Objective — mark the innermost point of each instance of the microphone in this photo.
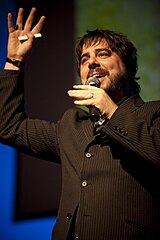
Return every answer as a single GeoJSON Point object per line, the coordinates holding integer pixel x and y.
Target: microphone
{"type": "Point", "coordinates": [93, 111]}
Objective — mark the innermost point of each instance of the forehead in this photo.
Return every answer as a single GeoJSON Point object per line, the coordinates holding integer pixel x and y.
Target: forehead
{"type": "Point", "coordinates": [95, 44]}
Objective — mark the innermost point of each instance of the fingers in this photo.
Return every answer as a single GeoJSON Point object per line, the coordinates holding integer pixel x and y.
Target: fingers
{"type": "Point", "coordinates": [10, 23]}
{"type": "Point", "coordinates": [21, 37]}
{"type": "Point", "coordinates": [83, 97]}
{"type": "Point", "coordinates": [81, 94]}
{"type": "Point", "coordinates": [28, 24]}
{"type": "Point", "coordinates": [85, 87]}
{"type": "Point", "coordinates": [83, 91]}
{"type": "Point", "coordinates": [84, 102]}
{"type": "Point", "coordinates": [87, 95]}
{"type": "Point", "coordinates": [30, 19]}
{"type": "Point", "coordinates": [39, 25]}
{"type": "Point", "coordinates": [19, 21]}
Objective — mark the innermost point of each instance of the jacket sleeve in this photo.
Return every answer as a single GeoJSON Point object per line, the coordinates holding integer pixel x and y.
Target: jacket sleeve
{"type": "Point", "coordinates": [137, 129]}
{"type": "Point", "coordinates": [32, 136]}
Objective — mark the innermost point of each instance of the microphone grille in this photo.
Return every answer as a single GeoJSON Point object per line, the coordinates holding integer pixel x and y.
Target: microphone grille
{"type": "Point", "coordinates": [93, 81]}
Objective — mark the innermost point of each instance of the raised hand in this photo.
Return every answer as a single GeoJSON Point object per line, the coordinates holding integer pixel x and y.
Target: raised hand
{"type": "Point", "coordinates": [17, 49]}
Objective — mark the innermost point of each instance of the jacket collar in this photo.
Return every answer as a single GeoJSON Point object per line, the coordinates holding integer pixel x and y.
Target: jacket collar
{"type": "Point", "coordinates": [132, 102]}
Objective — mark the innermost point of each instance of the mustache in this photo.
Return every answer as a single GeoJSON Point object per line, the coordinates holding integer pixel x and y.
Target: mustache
{"type": "Point", "coordinates": [99, 71]}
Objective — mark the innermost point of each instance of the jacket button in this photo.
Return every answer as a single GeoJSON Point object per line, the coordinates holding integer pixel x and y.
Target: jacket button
{"type": "Point", "coordinates": [88, 155]}
{"type": "Point", "coordinates": [125, 133]}
{"type": "Point", "coordinates": [69, 216]}
{"type": "Point", "coordinates": [121, 130]}
{"type": "Point", "coordinates": [84, 183]}
{"type": "Point", "coordinates": [116, 128]}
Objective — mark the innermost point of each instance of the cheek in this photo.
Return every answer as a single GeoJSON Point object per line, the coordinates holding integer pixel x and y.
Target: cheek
{"type": "Point", "coordinates": [115, 64]}
{"type": "Point", "coordinates": [120, 66]}
{"type": "Point", "coordinates": [83, 73]}
{"type": "Point", "coordinates": [82, 69]}
{"type": "Point", "coordinates": [105, 83]}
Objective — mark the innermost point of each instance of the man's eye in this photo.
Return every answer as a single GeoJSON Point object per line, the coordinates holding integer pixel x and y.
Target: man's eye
{"type": "Point", "coordinates": [104, 54]}
{"type": "Point", "coordinates": [83, 60]}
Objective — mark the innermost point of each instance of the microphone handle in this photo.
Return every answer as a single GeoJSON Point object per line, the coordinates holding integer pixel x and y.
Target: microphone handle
{"type": "Point", "coordinates": [94, 114]}
{"type": "Point", "coordinates": [93, 111]}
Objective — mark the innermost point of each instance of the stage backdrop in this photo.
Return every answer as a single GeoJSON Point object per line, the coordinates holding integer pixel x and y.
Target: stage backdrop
{"type": "Point", "coordinates": [48, 75]}
{"type": "Point", "coordinates": [139, 20]}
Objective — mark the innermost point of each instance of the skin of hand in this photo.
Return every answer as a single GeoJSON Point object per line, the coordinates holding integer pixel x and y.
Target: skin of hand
{"type": "Point", "coordinates": [100, 99]}
{"type": "Point", "coordinates": [20, 50]}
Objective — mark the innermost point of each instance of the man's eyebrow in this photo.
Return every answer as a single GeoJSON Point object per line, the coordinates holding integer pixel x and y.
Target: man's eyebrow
{"type": "Point", "coordinates": [104, 49]}
{"type": "Point", "coordinates": [97, 51]}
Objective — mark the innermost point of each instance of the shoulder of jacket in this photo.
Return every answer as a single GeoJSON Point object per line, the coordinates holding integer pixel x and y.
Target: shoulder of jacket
{"type": "Point", "coordinates": [152, 105]}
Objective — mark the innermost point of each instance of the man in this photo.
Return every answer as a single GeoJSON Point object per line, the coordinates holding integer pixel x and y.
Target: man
{"type": "Point", "coordinates": [111, 166]}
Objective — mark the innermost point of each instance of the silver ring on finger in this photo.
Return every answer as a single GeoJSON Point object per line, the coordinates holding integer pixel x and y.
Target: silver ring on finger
{"type": "Point", "coordinates": [91, 95]}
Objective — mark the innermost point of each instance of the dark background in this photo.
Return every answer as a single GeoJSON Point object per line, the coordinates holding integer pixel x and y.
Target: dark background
{"type": "Point", "coordinates": [48, 75]}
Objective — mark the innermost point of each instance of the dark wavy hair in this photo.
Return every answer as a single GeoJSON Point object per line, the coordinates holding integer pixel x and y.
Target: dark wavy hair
{"type": "Point", "coordinates": [119, 44]}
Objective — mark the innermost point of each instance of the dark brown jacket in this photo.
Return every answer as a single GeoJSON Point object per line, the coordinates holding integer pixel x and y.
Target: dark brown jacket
{"type": "Point", "coordinates": [112, 173]}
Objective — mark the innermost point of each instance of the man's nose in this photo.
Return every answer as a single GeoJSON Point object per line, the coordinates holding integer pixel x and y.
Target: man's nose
{"type": "Point", "coordinates": [93, 63]}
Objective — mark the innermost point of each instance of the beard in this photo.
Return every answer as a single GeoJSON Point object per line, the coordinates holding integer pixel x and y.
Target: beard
{"type": "Point", "coordinates": [119, 83]}
{"type": "Point", "coordinates": [118, 87]}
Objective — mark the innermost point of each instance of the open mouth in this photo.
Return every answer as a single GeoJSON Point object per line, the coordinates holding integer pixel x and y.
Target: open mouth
{"type": "Point", "coordinates": [99, 74]}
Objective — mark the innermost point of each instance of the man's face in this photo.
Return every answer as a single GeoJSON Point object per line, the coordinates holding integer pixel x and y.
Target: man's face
{"type": "Point", "coordinates": [98, 59]}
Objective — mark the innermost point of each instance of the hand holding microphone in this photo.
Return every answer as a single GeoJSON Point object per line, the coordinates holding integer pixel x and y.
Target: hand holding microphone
{"type": "Point", "coordinates": [84, 96]}
{"type": "Point", "coordinates": [95, 98]}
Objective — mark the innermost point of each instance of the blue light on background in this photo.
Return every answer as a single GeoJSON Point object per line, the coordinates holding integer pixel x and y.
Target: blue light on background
{"type": "Point", "coordinates": [37, 229]}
